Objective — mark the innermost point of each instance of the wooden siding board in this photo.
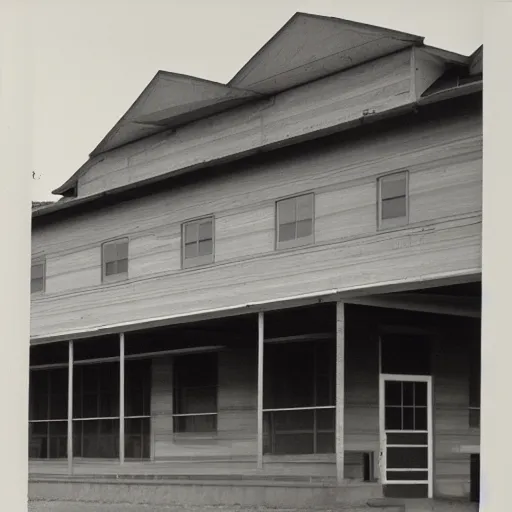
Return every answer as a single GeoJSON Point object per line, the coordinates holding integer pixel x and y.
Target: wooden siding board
{"type": "Point", "coordinates": [451, 247]}
{"type": "Point", "coordinates": [378, 86]}
{"type": "Point", "coordinates": [444, 162]}
{"type": "Point", "coordinates": [296, 54]}
{"type": "Point", "coordinates": [429, 146]}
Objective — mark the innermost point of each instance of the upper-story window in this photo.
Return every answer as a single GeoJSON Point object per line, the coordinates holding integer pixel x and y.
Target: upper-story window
{"type": "Point", "coordinates": [294, 221]}
{"type": "Point", "coordinates": [37, 277]}
{"type": "Point", "coordinates": [393, 199]}
{"type": "Point", "coordinates": [198, 242]}
{"type": "Point", "coordinates": [115, 260]}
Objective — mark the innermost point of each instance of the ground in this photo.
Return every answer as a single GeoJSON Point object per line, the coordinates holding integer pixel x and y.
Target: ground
{"type": "Point", "coordinates": [60, 506]}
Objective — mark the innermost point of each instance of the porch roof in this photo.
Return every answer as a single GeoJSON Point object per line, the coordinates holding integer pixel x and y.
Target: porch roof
{"type": "Point", "coordinates": [387, 295]}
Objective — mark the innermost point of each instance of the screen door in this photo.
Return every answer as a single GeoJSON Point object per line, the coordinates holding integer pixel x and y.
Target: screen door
{"type": "Point", "coordinates": [406, 435]}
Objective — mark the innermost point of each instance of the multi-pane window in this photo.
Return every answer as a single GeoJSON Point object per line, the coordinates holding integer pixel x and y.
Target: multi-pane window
{"type": "Point", "coordinates": [115, 259]}
{"type": "Point", "coordinates": [48, 412]}
{"type": "Point", "coordinates": [299, 398]}
{"type": "Point", "coordinates": [37, 277]}
{"type": "Point", "coordinates": [137, 408]}
{"type": "Point", "coordinates": [393, 199]}
{"type": "Point", "coordinates": [195, 393]}
{"type": "Point", "coordinates": [295, 221]}
{"type": "Point", "coordinates": [96, 411]}
{"type": "Point", "coordinates": [198, 242]}
{"type": "Point", "coordinates": [406, 406]}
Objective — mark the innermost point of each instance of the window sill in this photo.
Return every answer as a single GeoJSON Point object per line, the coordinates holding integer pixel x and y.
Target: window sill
{"type": "Point", "coordinates": [197, 262]}
{"type": "Point", "coordinates": [116, 278]}
{"type": "Point", "coordinates": [294, 244]}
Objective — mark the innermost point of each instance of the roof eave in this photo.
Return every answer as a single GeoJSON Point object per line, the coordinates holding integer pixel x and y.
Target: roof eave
{"type": "Point", "coordinates": [447, 94]}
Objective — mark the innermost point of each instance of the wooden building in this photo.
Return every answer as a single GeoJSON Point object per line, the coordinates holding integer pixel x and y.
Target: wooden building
{"type": "Point", "coordinates": [269, 292]}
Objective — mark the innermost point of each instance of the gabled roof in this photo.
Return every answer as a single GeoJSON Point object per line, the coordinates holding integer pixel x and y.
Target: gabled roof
{"type": "Point", "coordinates": [309, 47]}
{"type": "Point", "coordinates": [475, 61]}
{"type": "Point", "coordinates": [169, 100]}
{"type": "Point", "coordinates": [306, 48]}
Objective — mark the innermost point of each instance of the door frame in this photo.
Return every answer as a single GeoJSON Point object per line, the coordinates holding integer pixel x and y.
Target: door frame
{"type": "Point", "coordinates": [383, 377]}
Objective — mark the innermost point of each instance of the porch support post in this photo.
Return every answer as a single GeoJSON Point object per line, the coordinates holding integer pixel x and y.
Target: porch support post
{"type": "Point", "coordinates": [260, 389]}
{"type": "Point", "coordinates": [70, 407]}
{"type": "Point", "coordinates": [340, 390]}
{"type": "Point", "coordinates": [121, 398]}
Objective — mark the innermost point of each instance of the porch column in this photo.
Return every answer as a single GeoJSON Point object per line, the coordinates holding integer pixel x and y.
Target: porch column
{"type": "Point", "coordinates": [260, 389]}
{"type": "Point", "coordinates": [121, 398]}
{"type": "Point", "coordinates": [70, 407]}
{"type": "Point", "coordinates": [340, 390]}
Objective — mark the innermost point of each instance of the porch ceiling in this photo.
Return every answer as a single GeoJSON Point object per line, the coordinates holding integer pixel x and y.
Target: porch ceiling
{"type": "Point", "coordinates": [464, 300]}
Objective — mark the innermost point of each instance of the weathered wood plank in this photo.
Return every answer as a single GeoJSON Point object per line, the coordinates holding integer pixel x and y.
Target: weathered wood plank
{"type": "Point", "coordinates": [376, 86]}
{"type": "Point", "coordinates": [444, 235]}
{"type": "Point", "coordinates": [449, 247]}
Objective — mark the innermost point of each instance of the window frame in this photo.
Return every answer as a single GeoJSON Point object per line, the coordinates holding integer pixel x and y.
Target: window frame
{"type": "Point", "coordinates": [395, 222]}
{"type": "Point", "coordinates": [119, 276]}
{"type": "Point", "coordinates": [198, 261]}
{"type": "Point", "coordinates": [296, 242]}
{"type": "Point", "coordinates": [38, 261]}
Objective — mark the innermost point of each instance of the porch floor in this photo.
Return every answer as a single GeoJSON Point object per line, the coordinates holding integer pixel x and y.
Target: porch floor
{"type": "Point", "coordinates": [169, 470]}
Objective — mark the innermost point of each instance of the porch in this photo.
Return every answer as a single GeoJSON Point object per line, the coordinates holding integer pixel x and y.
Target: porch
{"type": "Point", "coordinates": [306, 397]}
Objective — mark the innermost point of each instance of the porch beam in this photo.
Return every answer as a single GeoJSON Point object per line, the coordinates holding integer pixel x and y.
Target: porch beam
{"type": "Point", "coordinates": [333, 295]}
{"type": "Point", "coordinates": [261, 330]}
{"type": "Point", "coordinates": [121, 398]}
{"type": "Point", "coordinates": [70, 407]}
{"type": "Point", "coordinates": [340, 391]}
{"type": "Point", "coordinates": [142, 355]}
{"type": "Point", "coordinates": [422, 303]}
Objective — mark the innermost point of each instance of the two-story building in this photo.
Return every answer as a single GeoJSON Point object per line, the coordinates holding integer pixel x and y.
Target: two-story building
{"type": "Point", "coordinates": [268, 292]}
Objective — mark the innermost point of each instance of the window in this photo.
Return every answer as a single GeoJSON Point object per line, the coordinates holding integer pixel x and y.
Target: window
{"type": "Point", "coordinates": [295, 221]}
{"type": "Point", "coordinates": [48, 412]}
{"type": "Point", "coordinates": [96, 411]}
{"type": "Point", "coordinates": [115, 260]}
{"type": "Point", "coordinates": [137, 409]}
{"type": "Point", "coordinates": [195, 393]}
{"type": "Point", "coordinates": [393, 200]}
{"type": "Point", "coordinates": [299, 398]}
{"type": "Point", "coordinates": [37, 277]}
{"type": "Point", "coordinates": [197, 242]}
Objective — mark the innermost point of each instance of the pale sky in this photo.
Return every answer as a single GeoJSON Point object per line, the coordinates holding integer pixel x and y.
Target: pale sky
{"type": "Point", "coordinates": [94, 57]}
